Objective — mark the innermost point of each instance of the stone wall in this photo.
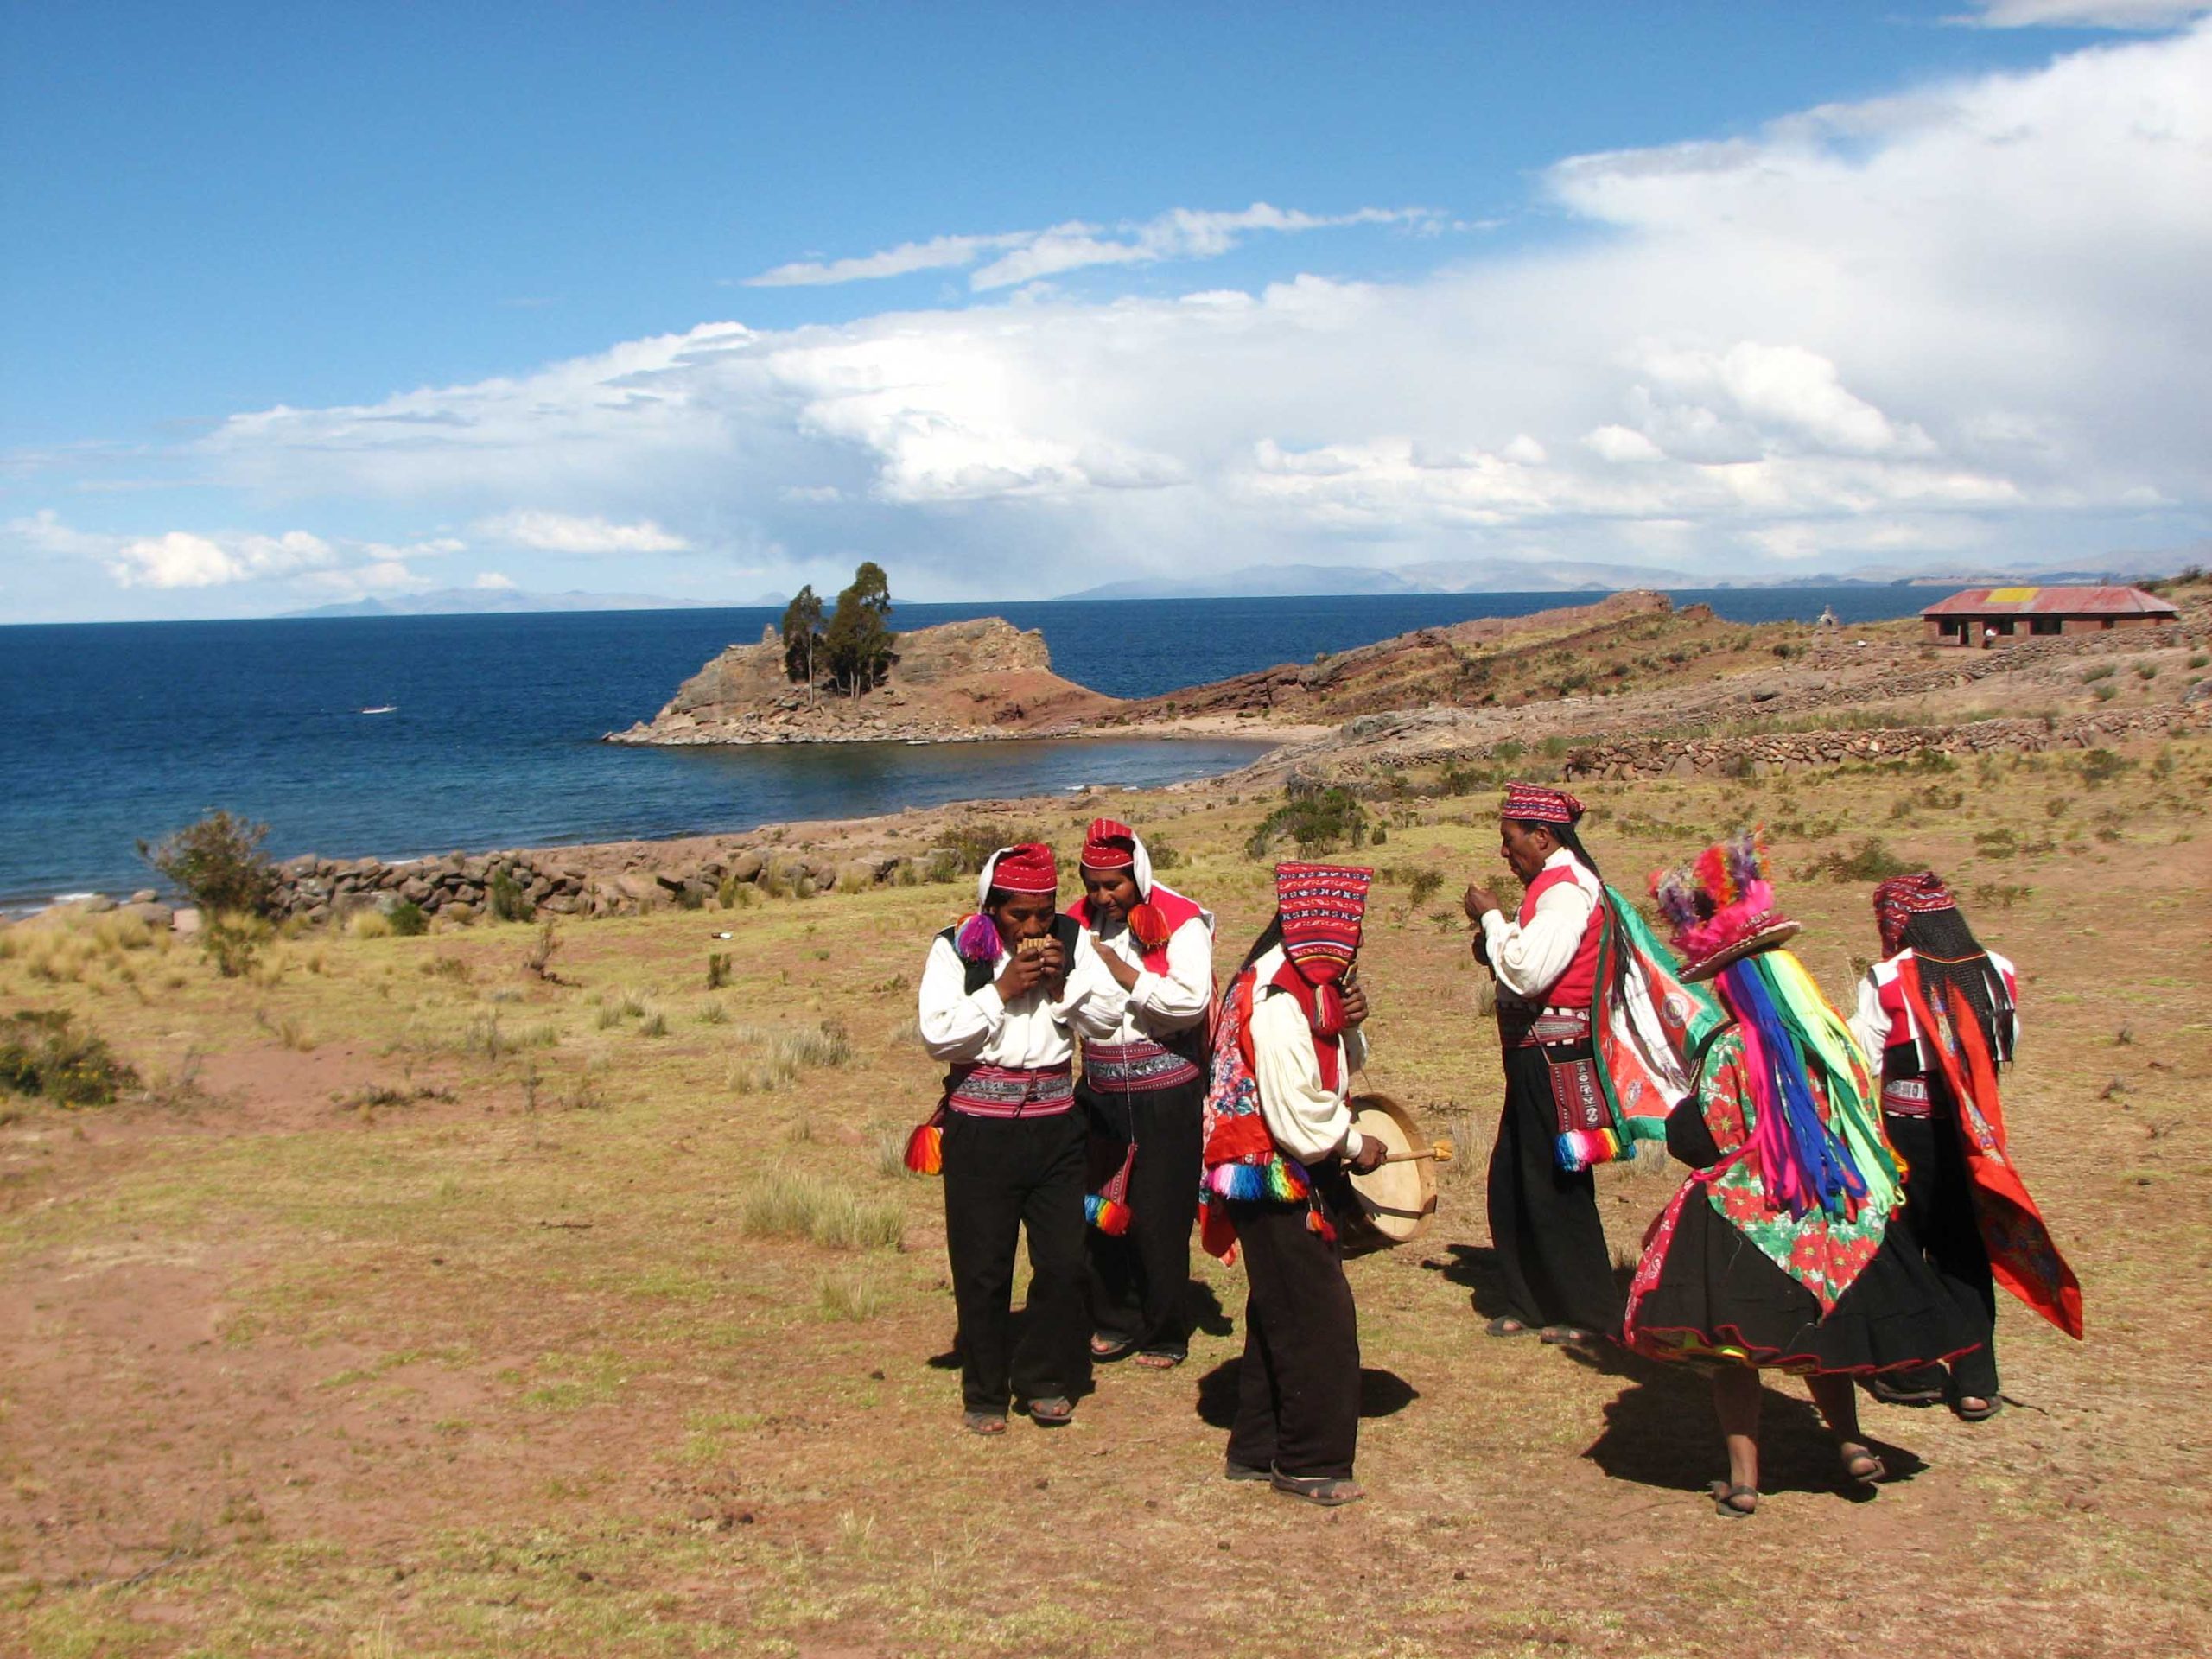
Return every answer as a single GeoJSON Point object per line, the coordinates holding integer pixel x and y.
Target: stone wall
{"type": "Point", "coordinates": [458, 886]}
{"type": "Point", "coordinates": [1758, 755]}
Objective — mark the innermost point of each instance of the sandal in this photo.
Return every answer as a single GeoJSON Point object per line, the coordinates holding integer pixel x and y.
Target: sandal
{"type": "Point", "coordinates": [1327, 1490]}
{"type": "Point", "coordinates": [1990, 1406]}
{"type": "Point", "coordinates": [1506, 1325]}
{"type": "Point", "coordinates": [1860, 1466]}
{"type": "Point", "coordinates": [1153, 1359]}
{"type": "Point", "coordinates": [1563, 1336]}
{"type": "Point", "coordinates": [1896, 1394]}
{"type": "Point", "coordinates": [1106, 1349]}
{"type": "Point", "coordinates": [1232, 1470]}
{"type": "Point", "coordinates": [1055, 1413]}
{"type": "Point", "coordinates": [1736, 1503]}
{"type": "Point", "coordinates": [983, 1422]}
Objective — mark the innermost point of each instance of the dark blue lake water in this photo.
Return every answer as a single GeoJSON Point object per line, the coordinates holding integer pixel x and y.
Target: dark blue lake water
{"type": "Point", "coordinates": [112, 731]}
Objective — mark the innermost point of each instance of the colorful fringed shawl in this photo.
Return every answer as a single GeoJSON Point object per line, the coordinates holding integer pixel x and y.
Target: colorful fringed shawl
{"type": "Point", "coordinates": [1805, 1175]}
{"type": "Point", "coordinates": [2022, 1256]}
{"type": "Point", "coordinates": [1646, 1027]}
{"type": "Point", "coordinates": [1240, 1159]}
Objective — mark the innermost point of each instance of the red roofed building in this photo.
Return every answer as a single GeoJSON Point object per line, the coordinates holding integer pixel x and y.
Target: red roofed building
{"type": "Point", "coordinates": [1980, 617]}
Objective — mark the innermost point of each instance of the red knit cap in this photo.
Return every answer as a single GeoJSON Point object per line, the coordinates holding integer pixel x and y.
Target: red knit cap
{"type": "Point", "coordinates": [1322, 907]}
{"type": "Point", "coordinates": [1905, 896]}
{"type": "Point", "coordinates": [1110, 845]}
{"type": "Point", "coordinates": [1029, 868]}
{"type": "Point", "coordinates": [1534, 803]}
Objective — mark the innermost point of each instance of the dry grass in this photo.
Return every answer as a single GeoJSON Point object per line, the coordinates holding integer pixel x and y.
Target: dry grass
{"type": "Point", "coordinates": [595, 1356]}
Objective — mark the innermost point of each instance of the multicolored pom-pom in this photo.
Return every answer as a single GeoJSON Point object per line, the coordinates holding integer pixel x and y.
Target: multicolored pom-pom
{"type": "Point", "coordinates": [977, 939]}
{"type": "Point", "coordinates": [925, 1149]}
{"type": "Point", "coordinates": [1147, 926]}
{"type": "Point", "coordinates": [1106, 1215]}
{"type": "Point", "coordinates": [1578, 1149]}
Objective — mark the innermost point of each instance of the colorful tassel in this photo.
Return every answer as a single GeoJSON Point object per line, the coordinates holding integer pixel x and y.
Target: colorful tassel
{"type": "Point", "coordinates": [1578, 1149]}
{"type": "Point", "coordinates": [925, 1149]}
{"type": "Point", "coordinates": [1147, 926]}
{"type": "Point", "coordinates": [1106, 1215]}
{"type": "Point", "coordinates": [977, 940]}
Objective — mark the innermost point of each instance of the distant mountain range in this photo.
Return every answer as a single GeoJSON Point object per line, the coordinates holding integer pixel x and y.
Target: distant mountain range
{"type": "Point", "coordinates": [482, 602]}
{"type": "Point", "coordinates": [1438, 576]}
{"type": "Point", "coordinates": [1567, 576]}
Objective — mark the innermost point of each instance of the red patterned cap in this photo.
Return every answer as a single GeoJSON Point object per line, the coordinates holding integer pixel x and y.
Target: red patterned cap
{"type": "Point", "coordinates": [1322, 907]}
{"type": "Point", "coordinates": [1534, 803]}
{"type": "Point", "coordinates": [1110, 845]}
{"type": "Point", "coordinates": [1902, 897]}
{"type": "Point", "coordinates": [1029, 868]}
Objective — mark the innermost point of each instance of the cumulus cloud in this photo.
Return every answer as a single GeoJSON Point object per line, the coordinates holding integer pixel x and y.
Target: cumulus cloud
{"type": "Point", "coordinates": [2083, 14]}
{"type": "Point", "coordinates": [180, 559]}
{"type": "Point", "coordinates": [1025, 256]}
{"type": "Point", "coordinates": [1966, 318]}
{"type": "Point", "coordinates": [556, 532]}
{"type": "Point", "coordinates": [493, 580]}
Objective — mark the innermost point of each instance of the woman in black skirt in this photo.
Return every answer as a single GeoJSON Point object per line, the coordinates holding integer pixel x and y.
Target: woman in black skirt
{"type": "Point", "coordinates": [1779, 1252]}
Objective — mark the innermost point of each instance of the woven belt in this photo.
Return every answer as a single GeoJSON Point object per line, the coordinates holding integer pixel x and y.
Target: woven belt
{"type": "Point", "coordinates": [1907, 1097]}
{"type": "Point", "coordinates": [1010, 1090]}
{"type": "Point", "coordinates": [1522, 1027]}
{"type": "Point", "coordinates": [1135, 1067]}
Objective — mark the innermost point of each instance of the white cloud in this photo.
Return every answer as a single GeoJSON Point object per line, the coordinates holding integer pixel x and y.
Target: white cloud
{"type": "Point", "coordinates": [493, 580]}
{"type": "Point", "coordinates": [554, 532]}
{"type": "Point", "coordinates": [182, 559]}
{"type": "Point", "coordinates": [2083, 14]}
{"type": "Point", "coordinates": [1025, 256]}
{"type": "Point", "coordinates": [1970, 317]}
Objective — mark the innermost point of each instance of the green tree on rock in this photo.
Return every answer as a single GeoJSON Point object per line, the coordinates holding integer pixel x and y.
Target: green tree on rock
{"type": "Point", "coordinates": [801, 638]}
{"type": "Point", "coordinates": [860, 642]}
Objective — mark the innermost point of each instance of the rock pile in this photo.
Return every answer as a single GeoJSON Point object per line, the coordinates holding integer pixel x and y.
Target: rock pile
{"type": "Point", "coordinates": [461, 887]}
{"type": "Point", "coordinates": [1758, 755]}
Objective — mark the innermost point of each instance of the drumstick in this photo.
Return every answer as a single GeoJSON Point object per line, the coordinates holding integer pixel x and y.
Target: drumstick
{"type": "Point", "coordinates": [1441, 1152]}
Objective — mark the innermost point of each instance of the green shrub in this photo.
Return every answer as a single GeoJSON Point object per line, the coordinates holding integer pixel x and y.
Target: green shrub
{"type": "Point", "coordinates": [407, 919]}
{"type": "Point", "coordinates": [2102, 672]}
{"type": "Point", "coordinates": [219, 864]}
{"type": "Point", "coordinates": [1316, 818]}
{"type": "Point", "coordinates": [509, 901]}
{"type": "Point", "coordinates": [970, 843]}
{"type": "Point", "coordinates": [232, 942]}
{"type": "Point", "coordinates": [2100, 767]}
{"type": "Point", "coordinates": [1870, 860]}
{"type": "Point", "coordinates": [41, 1054]}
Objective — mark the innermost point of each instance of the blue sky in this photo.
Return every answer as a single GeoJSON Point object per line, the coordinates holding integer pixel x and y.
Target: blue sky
{"type": "Point", "coordinates": [303, 302]}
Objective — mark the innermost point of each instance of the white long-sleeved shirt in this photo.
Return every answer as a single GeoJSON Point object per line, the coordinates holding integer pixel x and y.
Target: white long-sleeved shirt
{"type": "Point", "coordinates": [1159, 1005]}
{"type": "Point", "coordinates": [1883, 1017]}
{"type": "Point", "coordinates": [1308, 1119]}
{"type": "Point", "coordinates": [1030, 1031]}
{"type": "Point", "coordinates": [1528, 960]}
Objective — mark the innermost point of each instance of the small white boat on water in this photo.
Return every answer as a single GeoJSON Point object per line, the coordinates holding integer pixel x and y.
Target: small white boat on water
{"type": "Point", "coordinates": [386, 709]}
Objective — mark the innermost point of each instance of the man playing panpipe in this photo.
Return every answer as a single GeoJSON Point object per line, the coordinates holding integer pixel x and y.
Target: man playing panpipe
{"type": "Point", "coordinates": [1001, 994]}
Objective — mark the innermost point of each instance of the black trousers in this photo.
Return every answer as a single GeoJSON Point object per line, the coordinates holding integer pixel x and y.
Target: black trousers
{"type": "Point", "coordinates": [1939, 1215]}
{"type": "Point", "coordinates": [1543, 1222]}
{"type": "Point", "coordinates": [1297, 1388]}
{"type": "Point", "coordinates": [1001, 1175]}
{"type": "Point", "coordinates": [1140, 1282]}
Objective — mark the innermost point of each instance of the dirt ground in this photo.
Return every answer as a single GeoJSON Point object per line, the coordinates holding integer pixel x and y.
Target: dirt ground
{"type": "Point", "coordinates": [409, 1309]}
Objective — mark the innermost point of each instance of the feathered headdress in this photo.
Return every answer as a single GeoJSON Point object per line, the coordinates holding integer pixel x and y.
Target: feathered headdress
{"type": "Point", "coordinates": [1721, 904]}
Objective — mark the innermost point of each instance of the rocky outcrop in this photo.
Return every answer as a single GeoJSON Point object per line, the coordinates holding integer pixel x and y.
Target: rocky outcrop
{"type": "Point", "coordinates": [1447, 664]}
{"type": "Point", "coordinates": [957, 682]}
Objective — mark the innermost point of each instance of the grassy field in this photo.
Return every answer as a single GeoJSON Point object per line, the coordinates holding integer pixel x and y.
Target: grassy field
{"type": "Point", "coordinates": [417, 1304]}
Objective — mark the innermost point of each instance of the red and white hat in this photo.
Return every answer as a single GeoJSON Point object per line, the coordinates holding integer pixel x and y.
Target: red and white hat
{"type": "Point", "coordinates": [1109, 844]}
{"type": "Point", "coordinates": [1534, 804]}
{"type": "Point", "coordinates": [1903, 896]}
{"type": "Point", "coordinates": [1322, 907]}
{"type": "Point", "coordinates": [1028, 867]}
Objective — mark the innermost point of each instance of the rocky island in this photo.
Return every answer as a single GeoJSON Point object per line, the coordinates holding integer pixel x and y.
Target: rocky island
{"type": "Point", "coordinates": [958, 682]}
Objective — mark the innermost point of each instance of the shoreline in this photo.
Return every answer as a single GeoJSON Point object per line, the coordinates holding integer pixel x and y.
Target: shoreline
{"type": "Point", "coordinates": [842, 836]}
